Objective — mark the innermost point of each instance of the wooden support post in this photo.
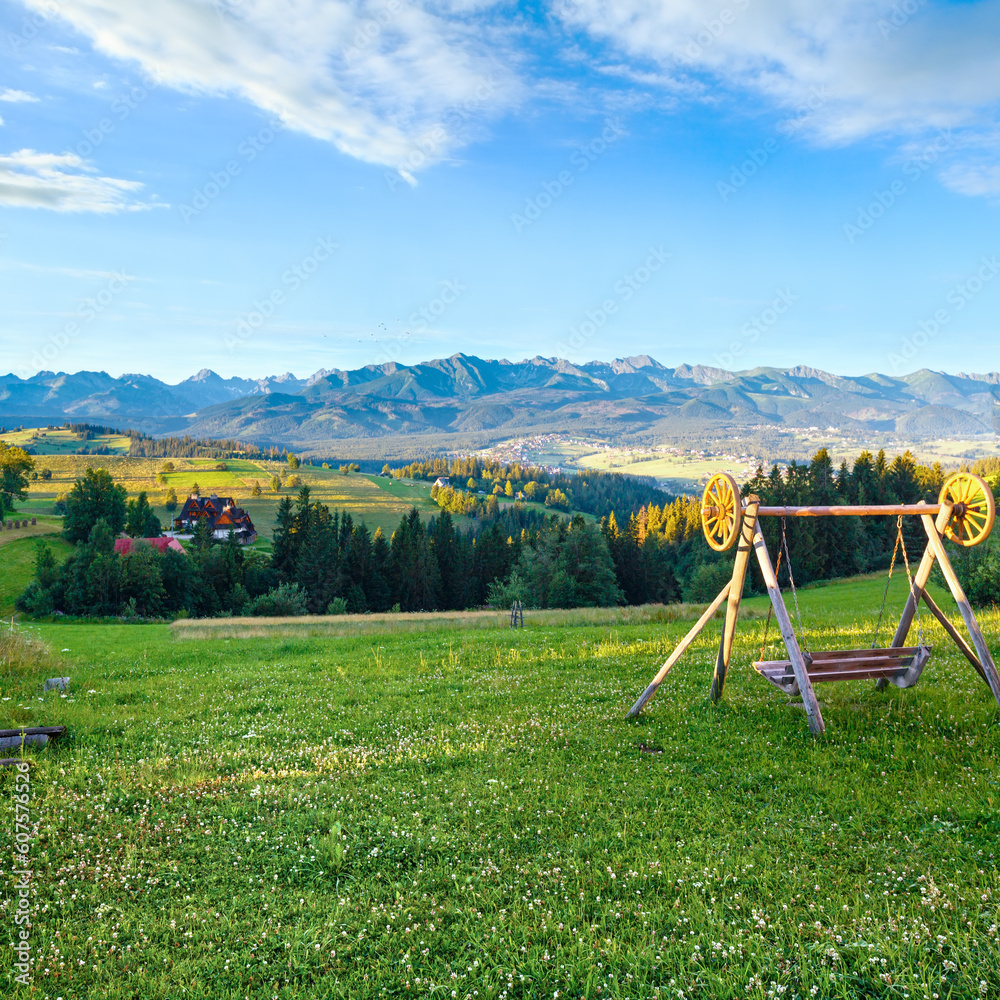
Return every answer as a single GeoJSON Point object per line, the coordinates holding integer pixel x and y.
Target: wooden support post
{"type": "Point", "coordinates": [956, 636]}
{"type": "Point", "coordinates": [920, 579]}
{"type": "Point", "coordinates": [799, 668]}
{"type": "Point", "coordinates": [678, 652]}
{"type": "Point", "coordinates": [978, 640]}
{"type": "Point", "coordinates": [735, 595]}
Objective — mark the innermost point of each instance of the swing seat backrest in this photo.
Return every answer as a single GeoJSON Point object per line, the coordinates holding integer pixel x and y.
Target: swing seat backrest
{"type": "Point", "coordinates": [901, 666]}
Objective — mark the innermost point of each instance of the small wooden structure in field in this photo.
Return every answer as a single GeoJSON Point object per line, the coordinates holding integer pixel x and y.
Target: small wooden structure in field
{"type": "Point", "coordinates": [964, 514]}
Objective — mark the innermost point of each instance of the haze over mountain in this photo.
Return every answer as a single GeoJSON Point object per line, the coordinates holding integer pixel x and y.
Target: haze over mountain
{"type": "Point", "coordinates": [465, 395]}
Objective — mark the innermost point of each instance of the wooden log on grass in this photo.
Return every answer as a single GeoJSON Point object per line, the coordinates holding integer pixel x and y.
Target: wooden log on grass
{"type": "Point", "coordinates": [53, 732]}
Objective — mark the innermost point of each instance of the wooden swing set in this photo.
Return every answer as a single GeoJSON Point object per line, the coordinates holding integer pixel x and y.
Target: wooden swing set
{"type": "Point", "coordinates": [964, 514]}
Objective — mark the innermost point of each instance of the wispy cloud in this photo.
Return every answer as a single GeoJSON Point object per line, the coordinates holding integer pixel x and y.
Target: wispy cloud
{"type": "Point", "coordinates": [887, 69]}
{"type": "Point", "coordinates": [380, 79]}
{"type": "Point", "coordinates": [71, 272]}
{"type": "Point", "coordinates": [373, 77]}
{"type": "Point", "coordinates": [62, 182]}
{"type": "Point", "coordinates": [17, 97]}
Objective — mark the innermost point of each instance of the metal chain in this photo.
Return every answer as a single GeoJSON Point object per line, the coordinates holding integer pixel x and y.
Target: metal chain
{"type": "Point", "coordinates": [892, 564]}
{"type": "Point", "coordinates": [770, 607]}
{"type": "Point", "coordinates": [791, 579]}
{"type": "Point", "coordinates": [913, 593]}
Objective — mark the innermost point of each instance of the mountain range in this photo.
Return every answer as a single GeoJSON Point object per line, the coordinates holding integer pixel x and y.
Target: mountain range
{"type": "Point", "coordinates": [465, 398]}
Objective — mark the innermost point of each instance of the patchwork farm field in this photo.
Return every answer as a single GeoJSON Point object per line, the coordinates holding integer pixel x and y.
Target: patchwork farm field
{"type": "Point", "coordinates": [62, 441]}
{"type": "Point", "coordinates": [464, 812]}
{"type": "Point", "coordinates": [379, 502]}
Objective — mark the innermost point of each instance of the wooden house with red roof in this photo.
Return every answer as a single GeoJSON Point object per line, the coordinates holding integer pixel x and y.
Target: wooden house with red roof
{"type": "Point", "coordinates": [222, 514]}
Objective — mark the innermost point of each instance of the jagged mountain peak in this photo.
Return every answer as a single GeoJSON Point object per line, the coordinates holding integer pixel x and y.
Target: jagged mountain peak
{"type": "Point", "coordinates": [464, 393]}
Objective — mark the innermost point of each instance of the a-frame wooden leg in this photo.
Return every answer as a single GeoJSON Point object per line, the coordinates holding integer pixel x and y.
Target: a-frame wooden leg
{"type": "Point", "coordinates": [678, 651]}
{"type": "Point", "coordinates": [978, 640]}
{"type": "Point", "coordinates": [920, 579]}
{"type": "Point", "coordinates": [740, 567]}
{"type": "Point", "coordinates": [809, 701]}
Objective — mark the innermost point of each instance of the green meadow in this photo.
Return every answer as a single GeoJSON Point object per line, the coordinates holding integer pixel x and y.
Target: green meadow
{"type": "Point", "coordinates": [62, 441]}
{"type": "Point", "coordinates": [379, 502]}
{"type": "Point", "coordinates": [464, 812]}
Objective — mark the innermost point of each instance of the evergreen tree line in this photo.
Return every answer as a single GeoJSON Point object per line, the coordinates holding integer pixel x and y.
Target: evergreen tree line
{"type": "Point", "coordinates": [596, 493]}
{"type": "Point", "coordinates": [323, 561]}
{"type": "Point", "coordinates": [143, 446]}
{"type": "Point", "coordinates": [661, 555]}
{"type": "Point", "coordinates": [422, 567]}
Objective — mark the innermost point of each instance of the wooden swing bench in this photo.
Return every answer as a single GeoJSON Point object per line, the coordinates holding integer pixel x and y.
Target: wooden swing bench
{"type": "Point", "coordinates": [964, 514]}
{"type": "Point", "coordinates": [901, 666]}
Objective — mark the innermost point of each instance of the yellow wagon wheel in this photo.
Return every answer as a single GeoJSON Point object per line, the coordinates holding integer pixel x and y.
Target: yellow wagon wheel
{"type": "Point", "coordinates": [974, 509]}
{"type": "Point", "coordinates": [721, 511]}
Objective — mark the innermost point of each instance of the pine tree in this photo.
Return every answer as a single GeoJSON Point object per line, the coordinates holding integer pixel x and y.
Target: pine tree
{"type": "Point", "coordinates": [140, 521]}
{"type": "Point", "coordinates": [94, 497]}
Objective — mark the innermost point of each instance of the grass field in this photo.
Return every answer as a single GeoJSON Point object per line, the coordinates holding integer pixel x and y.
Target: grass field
{"type": "Point", "coordinates": [370, 624]}
{"type": "Point", "coordinates": [43, 526]}
{"type": "Point", "coordinates": [675, 473]}
{"type": "Point", "coordinates": [466, 813]}
{"type": "Point", "coordinates": [17, 566]}
{"type": "Point", "coordinates": [379, 502]}
{"type": "Point", "coordinates": [63, 442]}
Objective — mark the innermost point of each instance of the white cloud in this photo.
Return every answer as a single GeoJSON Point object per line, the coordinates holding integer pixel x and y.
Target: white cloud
{"type": "Point", "coordinates": [392, 82]}
{"type": "Point", "coordinates": [404, 83]}
{"type": "Point", "coordinates": [62, 182]}
{"type": "Point", "coordinates": [17, 97]}
{"type": "Point", "coordinates": [878, 69]}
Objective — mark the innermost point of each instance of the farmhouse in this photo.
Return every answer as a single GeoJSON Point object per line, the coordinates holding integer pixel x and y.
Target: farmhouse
{"type": "Point", "coordinates": [442, 481]}
{"type": "Point", "coordinates": [223, 516]}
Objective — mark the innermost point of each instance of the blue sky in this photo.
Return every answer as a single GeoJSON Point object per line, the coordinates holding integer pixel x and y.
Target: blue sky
{"type": "Point", "coordinates": [257, 186]}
